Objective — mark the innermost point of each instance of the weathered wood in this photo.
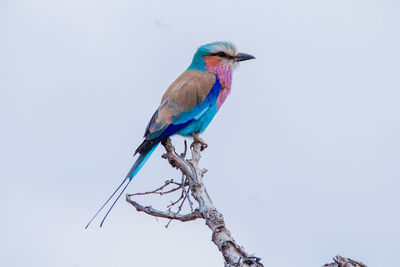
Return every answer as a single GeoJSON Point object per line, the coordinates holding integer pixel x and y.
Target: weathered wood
{"type": "Point", "coordinates": [234, 254]}
{"type": "Point", "coordinates": [340, 261]}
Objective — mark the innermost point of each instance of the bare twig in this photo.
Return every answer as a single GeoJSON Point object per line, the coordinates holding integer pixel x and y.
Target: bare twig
{"type": "Point", "coordinates": [344, 262]}
{"type": "Point", "coordinates": [158, 190]}
{"type": "Point", "coordinates": [184, 197]}
{"type": "Point", "coordinates": [187, 195]}
{"type": "Point", "coordinates": [183, 155]}
{"type": "Point", "coordinates": [165, 214]}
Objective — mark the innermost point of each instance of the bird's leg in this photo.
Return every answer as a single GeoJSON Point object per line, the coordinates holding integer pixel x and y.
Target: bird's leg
{"type": "Point", "coordinates": [197, 139]}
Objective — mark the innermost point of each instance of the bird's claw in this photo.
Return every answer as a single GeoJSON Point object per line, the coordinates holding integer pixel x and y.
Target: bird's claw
{"type": "Point", "coordinates": [203, 145]}
{"type": "Point", "coordinates": [198, 140]}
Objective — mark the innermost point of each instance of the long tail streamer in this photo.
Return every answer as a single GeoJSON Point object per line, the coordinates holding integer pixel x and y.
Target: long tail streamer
{"type": "Point", "coordinates": [133, 171]}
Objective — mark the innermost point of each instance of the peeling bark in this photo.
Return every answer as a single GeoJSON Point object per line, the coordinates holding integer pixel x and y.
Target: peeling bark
{"type": "Point", "coordinates": [233, 253]}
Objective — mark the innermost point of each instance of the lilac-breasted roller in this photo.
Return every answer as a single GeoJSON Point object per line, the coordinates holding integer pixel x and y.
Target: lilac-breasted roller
{"type": "Point", "coordinates": [189, 104]}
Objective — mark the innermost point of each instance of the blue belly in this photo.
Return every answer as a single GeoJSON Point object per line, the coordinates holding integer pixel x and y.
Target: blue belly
{"type": "Point", "coordinates": [200, 124]}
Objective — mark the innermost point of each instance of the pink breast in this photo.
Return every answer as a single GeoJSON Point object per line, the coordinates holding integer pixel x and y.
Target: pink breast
{"type": "Point", "coordinates": [226, 81]}
{"type": "Point", "coordinates": [224, 72]}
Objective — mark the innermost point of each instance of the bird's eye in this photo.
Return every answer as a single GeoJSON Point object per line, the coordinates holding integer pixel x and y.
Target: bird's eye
{"type": "Point", "coordinates": [220, 54]}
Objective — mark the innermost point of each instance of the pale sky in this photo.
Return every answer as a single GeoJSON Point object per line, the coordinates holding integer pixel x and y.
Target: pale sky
{"type": "Point", "coordinates": [303, 157]}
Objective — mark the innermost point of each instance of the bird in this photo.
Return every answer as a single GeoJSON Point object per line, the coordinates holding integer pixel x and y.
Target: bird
{"type": "Point", "coordinates": [188, 105]}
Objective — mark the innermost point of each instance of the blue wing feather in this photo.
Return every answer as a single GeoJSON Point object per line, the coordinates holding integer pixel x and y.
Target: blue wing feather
{"type": "Point", "coordinates": [186, 118]}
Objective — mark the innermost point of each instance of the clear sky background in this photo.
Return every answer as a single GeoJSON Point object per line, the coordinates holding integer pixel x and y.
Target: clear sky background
{"type": "Point", "coordinates": [303, 158]}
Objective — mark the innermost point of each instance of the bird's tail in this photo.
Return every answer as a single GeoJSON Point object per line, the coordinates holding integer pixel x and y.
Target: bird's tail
{"type": "Point", "coordinates": [133, 171]}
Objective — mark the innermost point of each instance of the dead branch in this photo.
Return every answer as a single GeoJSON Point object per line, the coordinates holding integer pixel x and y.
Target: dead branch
{"type": "Point", "coordinates": [233, 253]}
{"type": "Point", "coordinates": [340, 261]}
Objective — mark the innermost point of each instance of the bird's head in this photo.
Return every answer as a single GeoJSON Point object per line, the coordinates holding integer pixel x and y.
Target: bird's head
{"type": "Point", "coordinates": [217, 56]}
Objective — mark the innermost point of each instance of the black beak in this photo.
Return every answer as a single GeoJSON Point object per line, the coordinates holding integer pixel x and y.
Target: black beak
{"type": "Point", "coordinates": [243, 57]}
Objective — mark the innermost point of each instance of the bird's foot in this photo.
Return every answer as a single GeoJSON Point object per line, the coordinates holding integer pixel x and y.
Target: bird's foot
{"type": "Point", "coordinates": [198, 140]}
